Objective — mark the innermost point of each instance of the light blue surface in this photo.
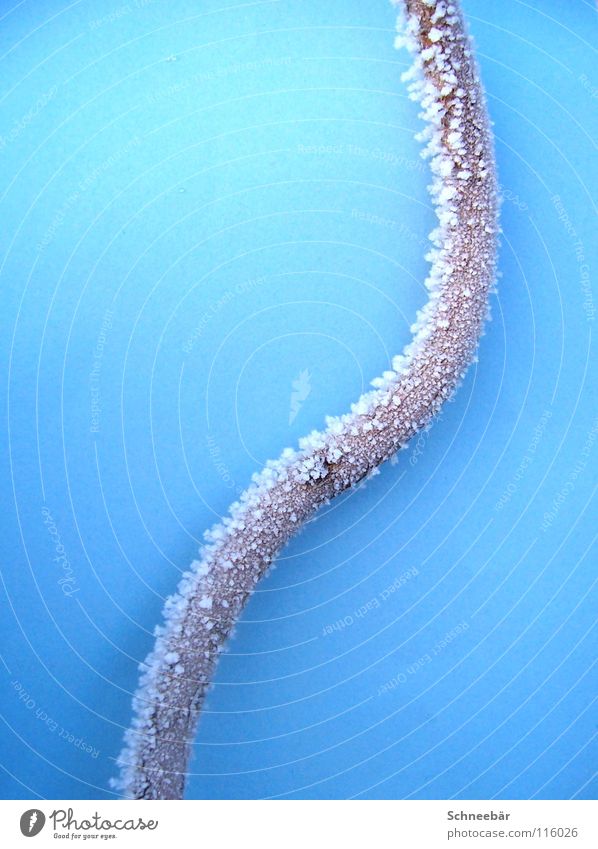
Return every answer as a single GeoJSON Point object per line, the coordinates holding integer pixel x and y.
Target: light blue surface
{"type": "Point", "coordinates": [205, 214]}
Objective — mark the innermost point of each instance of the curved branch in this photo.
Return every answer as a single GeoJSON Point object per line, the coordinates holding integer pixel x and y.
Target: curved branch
{"type": "Point", "coordinates": [200, 616]}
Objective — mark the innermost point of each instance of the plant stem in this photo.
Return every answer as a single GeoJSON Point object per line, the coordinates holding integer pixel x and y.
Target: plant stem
{"type": "Point", "coordinates": [211, 595]}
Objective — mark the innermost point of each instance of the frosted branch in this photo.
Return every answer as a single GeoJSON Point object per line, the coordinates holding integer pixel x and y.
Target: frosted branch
{"type": "Point", "coordinates": [199, 617]}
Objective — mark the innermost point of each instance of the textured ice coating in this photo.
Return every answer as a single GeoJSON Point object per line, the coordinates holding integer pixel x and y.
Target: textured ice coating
{"type": "Point", "coordinates": [199, 617]}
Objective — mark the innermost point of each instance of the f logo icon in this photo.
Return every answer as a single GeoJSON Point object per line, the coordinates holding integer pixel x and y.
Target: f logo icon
{"type": "Point", "coordinates": [32, 822]}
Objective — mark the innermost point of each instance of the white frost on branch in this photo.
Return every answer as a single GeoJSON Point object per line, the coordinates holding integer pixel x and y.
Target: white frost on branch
{"type": "Point", "coordinates": [199, 617]}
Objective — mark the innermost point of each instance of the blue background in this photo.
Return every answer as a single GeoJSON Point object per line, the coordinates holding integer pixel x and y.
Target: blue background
{"type": "Point", "coordinates": [204, 214]}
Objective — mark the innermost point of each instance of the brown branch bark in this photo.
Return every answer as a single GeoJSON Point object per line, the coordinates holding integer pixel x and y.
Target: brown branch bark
{"type": "Point", "coordinates": [199, 617]}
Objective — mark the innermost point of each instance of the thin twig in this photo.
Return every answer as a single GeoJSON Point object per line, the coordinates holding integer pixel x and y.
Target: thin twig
{"type": "Point", "coordinates": [199, 617]}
